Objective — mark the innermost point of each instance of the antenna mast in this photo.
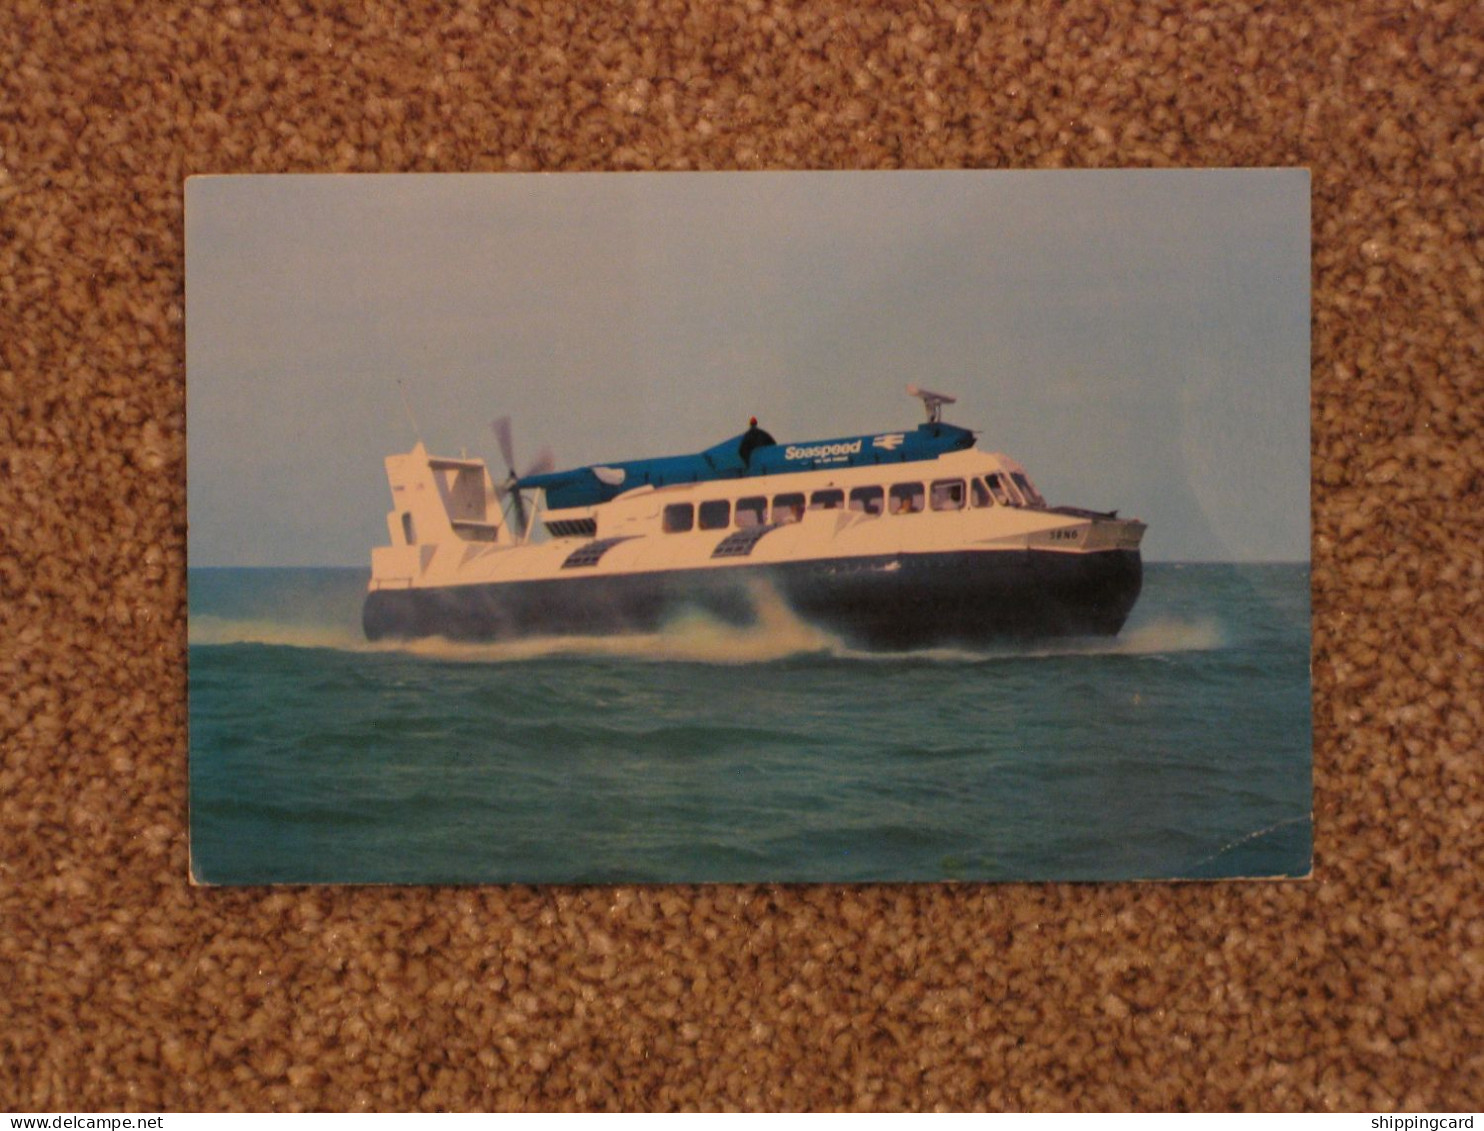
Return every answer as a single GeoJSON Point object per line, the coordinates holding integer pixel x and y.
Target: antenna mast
{"type": "Point", "coordinates": [932, 402]}
{"type": "Point", "coordinates": [407, 408]}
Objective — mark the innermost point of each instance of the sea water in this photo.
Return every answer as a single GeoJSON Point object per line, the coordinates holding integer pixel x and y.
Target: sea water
{"type": "Point", "coordinates": [1180, 748]}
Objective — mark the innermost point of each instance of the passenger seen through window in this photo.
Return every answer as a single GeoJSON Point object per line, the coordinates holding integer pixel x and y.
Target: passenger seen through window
{"type": "Point", "coordinates": [867, 500]}
{"type": "Point", "coordinates": [906, 498]}
{"type": "Point", "coordinates": [752, 511]}
{"type": "Point", "coordinates": [788, 508]}
{"type": "Point", "coordinates": [948, 495]}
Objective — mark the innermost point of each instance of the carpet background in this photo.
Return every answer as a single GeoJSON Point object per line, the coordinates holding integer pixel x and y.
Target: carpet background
{"type": "Point", "coordinates": [122, 987]}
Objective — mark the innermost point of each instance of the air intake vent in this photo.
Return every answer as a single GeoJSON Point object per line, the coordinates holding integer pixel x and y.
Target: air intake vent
{"type": "Point", "coordinates": [590, 553]}
{"type": "Point", "coordinates": [572, 527]}
{"type": "Point", "coordinates": [739, 543]}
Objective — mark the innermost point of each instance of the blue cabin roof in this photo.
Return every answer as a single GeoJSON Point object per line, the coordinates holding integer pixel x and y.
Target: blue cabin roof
{"type": "Point", "coordinates": [598, 483]}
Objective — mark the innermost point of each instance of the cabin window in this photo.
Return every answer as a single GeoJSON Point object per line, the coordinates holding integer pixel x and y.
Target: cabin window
{"type": "Point", "coordinates": [906, 498]}
{"type": "Point", "coordinates": [1029, 493]}
{"type": "Point", "coordinates": [679, 517]}
{"type": "Point", "coordinates": [716, 515]}
{"type": "Point", "coordinates": [788, 508]}
{"type": "Point", "coordinates": [979, 493]}
{"type": "Point", "coordinates": [996, 483]}
{"type": "Point", "coordinates": [948, 495]}
{"type": "Point", "coordinates": [408, 535]}
{"type": "Point", "coordinates": [752, 511]}
{"type": "Point", "coordinates": [867, 500]}
{"type": "Point", "coordinates": [831, 500]}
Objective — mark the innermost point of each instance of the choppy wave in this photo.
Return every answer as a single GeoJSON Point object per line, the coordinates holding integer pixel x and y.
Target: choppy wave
{"type": "Point", "coordinates": [321, 609]}
{"type": "Point", "coordinates": [1161, 638]}
{"type": "Point", "coordinates": [777, 635]}
{"type": "Point", "coordinates": [208, 630]}
{"type": "Point", "coordinates": [1201, 635]}
{"type": "Point", "coordinates": [709, 752]}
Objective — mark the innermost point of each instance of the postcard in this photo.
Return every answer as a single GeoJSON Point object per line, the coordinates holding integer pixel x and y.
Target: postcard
{"type": "Point", "coordinates": [749, 527]}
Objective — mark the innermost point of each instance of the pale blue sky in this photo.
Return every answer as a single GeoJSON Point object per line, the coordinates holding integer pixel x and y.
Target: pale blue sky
{"type": "Point", "coordinates": [1138, 339]}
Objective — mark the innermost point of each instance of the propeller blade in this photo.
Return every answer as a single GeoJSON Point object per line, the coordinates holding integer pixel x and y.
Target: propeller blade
{"type": "Point", "coordinates": [543, 463]}
{"type": "Point", "coordinates": [505, 440]}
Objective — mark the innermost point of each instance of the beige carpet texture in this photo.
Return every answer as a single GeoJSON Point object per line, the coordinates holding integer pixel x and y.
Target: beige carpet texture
{"type": "Point", "coordinates": [124, 987]}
